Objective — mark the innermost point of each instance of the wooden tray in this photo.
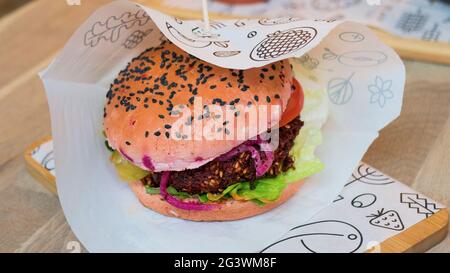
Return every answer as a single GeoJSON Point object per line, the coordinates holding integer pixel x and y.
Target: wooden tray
{"type": "Point", "coordinates": [416, 238]}
{"type": "Point", "coordinates": [414, 49]}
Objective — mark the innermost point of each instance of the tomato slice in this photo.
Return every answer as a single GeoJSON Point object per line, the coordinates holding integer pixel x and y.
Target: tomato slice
{"type": "Point", "coordinates": [295, 104]}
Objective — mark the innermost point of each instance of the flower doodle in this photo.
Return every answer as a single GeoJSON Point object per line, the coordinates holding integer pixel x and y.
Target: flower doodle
{"type": "Point", "coordinates": [381, 91]}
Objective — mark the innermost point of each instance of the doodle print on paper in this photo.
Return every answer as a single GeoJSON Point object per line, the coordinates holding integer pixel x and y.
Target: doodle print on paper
{"type": "Point", "coordinates": [35, 150]}
{"type": "Point", "coordinates": [432, 34]}
{"type": "Point", "coordinates": [329, 55]}
{"type": "Point", "coordinates": [48, 162]}
{"type": "Point", "coordinates": [412, 22]}
{"type": "Point", "coordinates": [186, 40]}
{"type": "Point", "coordinates": [110, 29]}
{"type": "Point", "coordinates": [321, 236]}
{"type": "Point", "coordinates": [338, 198]}
{"type": "Point", "coordinates": [281, 43]}
{"type": "Point", "coordinates": [340, 90]}
{"type": "Point", "coordinates": [201, 32]}
{"type": "Point", "coordinates": [308, 62]}
{"type": "Point", "coordinates": [368, 175]}
{"type": "Point", "coordinates": [380, 91]}
{"type": "Point", "coordinates": [333, 5]}
{"type": "Point", "coordinates": [364, 200]}
{"type": "Point", "coordinates": [252, 34]}
{"type": "Point", "coordinates": [420, 203]}
{"type": "Point", "coordinates": [387, 219]}
{"type": "Point", "coordinates": [351, 37]}
{"type": "Point", "coordinates": [224, 54]}
{"type": "Point", "coordinates": [216, 25]}
{"type": "Point", "coordinates": [136, 38]}
{"type": "Point", "coordinates": [363, 58]}
{"type": "Point", "coordinates": [277, 21]}
{"type": "Point", "coordinates": [240, 23]}
{"type": "Point", "coordinates": [178, 20]}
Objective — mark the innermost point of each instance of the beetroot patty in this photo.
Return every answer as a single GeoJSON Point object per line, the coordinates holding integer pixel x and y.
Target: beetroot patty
{"type": "Point", "coordinates": [217, 175]}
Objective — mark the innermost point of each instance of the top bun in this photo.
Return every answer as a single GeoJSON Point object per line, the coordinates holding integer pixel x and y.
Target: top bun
{"type": "Point", "coordinates": [149, 115]}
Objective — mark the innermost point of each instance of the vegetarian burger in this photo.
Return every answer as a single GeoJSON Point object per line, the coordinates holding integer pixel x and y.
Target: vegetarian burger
{"type": "Point", "coordinates": [171, 121]}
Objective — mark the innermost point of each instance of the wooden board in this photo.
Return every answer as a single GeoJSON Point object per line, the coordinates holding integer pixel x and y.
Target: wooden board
{"type": "Point", "coordinates": [413, 49]}
{"type": "Point", "coordinates": [417, 238]}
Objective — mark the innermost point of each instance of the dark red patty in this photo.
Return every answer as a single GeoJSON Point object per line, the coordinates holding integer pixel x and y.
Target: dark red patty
{"type": "Point", "coordinates": [217, 175]}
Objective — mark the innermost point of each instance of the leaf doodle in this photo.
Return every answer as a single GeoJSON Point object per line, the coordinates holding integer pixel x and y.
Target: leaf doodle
{"type": "Point", "coordinates": [421, 204]}
{"type": "Point", "coordinates": [109, 29]}
{"type": "Point", "coordinates": [340, 90]}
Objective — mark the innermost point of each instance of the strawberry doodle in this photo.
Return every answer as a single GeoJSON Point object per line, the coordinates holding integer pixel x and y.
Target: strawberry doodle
{"type": "Point", "coordinates": [387, 219]}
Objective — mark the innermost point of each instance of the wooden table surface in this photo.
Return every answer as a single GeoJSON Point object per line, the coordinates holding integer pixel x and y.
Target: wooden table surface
{"type": "Point", "coordinates": [414, 149]}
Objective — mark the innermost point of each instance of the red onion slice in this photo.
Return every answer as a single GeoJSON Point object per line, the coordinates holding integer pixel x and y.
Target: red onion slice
{"type": "Point", "coordinates": [190, 205]}
{"type": "Point", "coordinates": [261, 166]}
{"type": "Point", "coordinates": [267, 149]}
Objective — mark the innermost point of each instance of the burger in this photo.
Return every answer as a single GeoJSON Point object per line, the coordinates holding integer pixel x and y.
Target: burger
{"type": "Point", "coordinates": [184, 134]}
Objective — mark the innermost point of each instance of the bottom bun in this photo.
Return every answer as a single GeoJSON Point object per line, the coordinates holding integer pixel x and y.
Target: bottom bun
{"type": "Point", "coordinates": [226, 211]}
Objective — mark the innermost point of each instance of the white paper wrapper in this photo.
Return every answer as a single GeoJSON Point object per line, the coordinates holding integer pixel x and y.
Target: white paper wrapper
{"type": "Point", "coordinates": [364, 80]}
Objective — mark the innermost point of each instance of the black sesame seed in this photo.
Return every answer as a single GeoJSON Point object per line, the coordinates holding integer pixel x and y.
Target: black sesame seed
{"type": "Point", "coordinates": [276, 96]}
{"type": "Point", "coordinates": [128, 143]}
{"type": "Point", "coordinates": [167, 126]}
{"type": "Point", "coordinates": [157, 133]}
{"type": "Point", "coordinates": [268, 99]}
{"type": "Point", "coordinates": [161, 116]}
{"type": "Point", "coordinates": [256, 97]}
{"type": "Point", "coordinates": [213, 86]}
{"type": "Point", "coordinates": [167, 134]}
{"type": "Point", "coordinates": [146, 134]}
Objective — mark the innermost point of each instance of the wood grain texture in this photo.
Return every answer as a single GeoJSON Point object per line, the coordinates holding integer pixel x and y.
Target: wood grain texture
{"type": "Point", "coordinates": [413, 149]}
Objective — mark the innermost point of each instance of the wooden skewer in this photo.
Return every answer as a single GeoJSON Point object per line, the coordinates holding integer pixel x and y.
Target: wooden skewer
{"type": "Point", "coordinates": [205, 14]}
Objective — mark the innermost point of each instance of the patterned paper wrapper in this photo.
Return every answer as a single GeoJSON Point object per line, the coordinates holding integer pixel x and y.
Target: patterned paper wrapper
{"type": "Point", "coordinates": [363, 78]}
